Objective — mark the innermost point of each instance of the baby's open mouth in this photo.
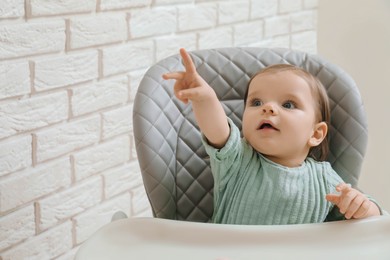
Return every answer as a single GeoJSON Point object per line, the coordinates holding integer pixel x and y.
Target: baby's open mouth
{"type": "Point", "coordinates": [267, 125]}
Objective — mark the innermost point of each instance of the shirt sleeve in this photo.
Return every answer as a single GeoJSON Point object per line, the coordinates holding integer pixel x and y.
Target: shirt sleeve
{"type": "Point", "coordinates": [225, 162]}
{"type": "Point", "coordinates": [230, 149]}
{"type": "Point", "coordinates": [334, 180]}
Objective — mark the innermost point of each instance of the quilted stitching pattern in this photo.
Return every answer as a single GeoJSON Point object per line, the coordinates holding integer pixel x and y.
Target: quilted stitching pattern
{"type": "Point", "coordinates": [174, 165]}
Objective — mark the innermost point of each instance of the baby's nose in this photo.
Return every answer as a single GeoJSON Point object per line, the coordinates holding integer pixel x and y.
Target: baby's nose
{"type": "Point", "coordinates": [269, 108]}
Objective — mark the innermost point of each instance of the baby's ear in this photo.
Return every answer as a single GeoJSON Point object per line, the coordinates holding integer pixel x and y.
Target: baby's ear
{"type": "Point", "coordinates": [319, 133]}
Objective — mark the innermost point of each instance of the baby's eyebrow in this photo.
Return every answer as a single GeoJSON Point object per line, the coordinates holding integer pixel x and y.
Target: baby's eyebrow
{"type": "Point", "coordinates": [256, 93]}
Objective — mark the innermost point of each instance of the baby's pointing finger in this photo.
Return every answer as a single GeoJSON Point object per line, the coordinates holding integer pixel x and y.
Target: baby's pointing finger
{"type": "Point", "coordinates": [187, 60]}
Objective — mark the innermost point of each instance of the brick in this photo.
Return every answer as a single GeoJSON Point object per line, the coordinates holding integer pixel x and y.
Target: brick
{"type": "Point", "coordinates": [304, 21]}
{"type": "Point", "coordinates": [16, 227]}
{"type": "Point", "coordinates": [55, 7]}
{"type": "Point", "coordinates": [310, 4]}
{"type": "Point", "coordinates": [14, 79]}
{"type": "Point", "coordinates": [32, 38]}
{"type": "Point", "coordinates": [65, 70]}
{"type": "Point", "coordinates": [124, 58]}
{"type": "Point", "coordinates": [275, 42]}
{"type": "Point", "coordinates": [233, 12]}
{"type": "Point", "coordinates": [118, 121]}
{"type": "Point", "coordinates": [135, 78]}
{"type": "Point", "coordinates": [30, 184]}
{"type": "Point", "coordinates": [70, 202]}
{"type": "Point", "coordinates": [305, 41]}
{"type": "Point", "coordinates": [15, 154]}
{"type": "Point", "coordinates": [171, 2]}
{"type": "Point", "coordinates": [248, 33]}
{"type": "Point", "coordinates": [122, 179]}
{"type": "Point", "coordinates": [277, 26]}
{"type": "Point", "coordinates": [47, 245]}
{"type": "Point", "coordinates": [11, 8]}
{"type": "Point", "coordinates": [288, 6]}
{"type": "Point", "coordinates": [122, 4]}
{"type": "Point", "coordinates": [140, 203]}
{"type": "Point", "coordinates": [70, 255]}
{"type": "Point", "coordinates": [201, 16]}
{"type": "Point", "coordinates": [170, 45]}
{"type": "Point", "coordinates": [99, 95]}
{"type": "Point", "coordinates": [261, 9]}
{"type": "Point", "coordinates": [216, 38]}
{"type": "Point", "coordinates": [66, 138]}
{"type": "Point", "coordinates": [151, 22]}
{"type": "Point", "coordinates": [102, 157]}
{"type": "Point", "coordinates": [92, 220]}
{"type": "Point", "coordinates": [97, 30]}
{"type": "Point", "coordinates": [31, 113]}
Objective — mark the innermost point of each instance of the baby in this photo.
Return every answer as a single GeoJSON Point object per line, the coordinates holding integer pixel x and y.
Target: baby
{"type": "Point", "coordinates": [275, 174]}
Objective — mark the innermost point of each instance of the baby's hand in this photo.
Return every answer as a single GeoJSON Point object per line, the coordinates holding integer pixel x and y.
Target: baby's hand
{"type": "Point", "coordinates": [189, 84]}
{"type": "Point", "coordinates": [352, 203]}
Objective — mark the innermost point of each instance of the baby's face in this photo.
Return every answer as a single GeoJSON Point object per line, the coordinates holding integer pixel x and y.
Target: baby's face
{"type": "Point", "coordinates": [279, 117]}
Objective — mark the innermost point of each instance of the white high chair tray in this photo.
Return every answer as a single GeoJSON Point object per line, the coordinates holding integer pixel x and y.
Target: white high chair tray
{"type": "Point", "coordinates": [151, 238]}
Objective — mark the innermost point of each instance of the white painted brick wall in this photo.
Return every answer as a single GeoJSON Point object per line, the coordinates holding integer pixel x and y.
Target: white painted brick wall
{"type": "Point", "coordinates": [122, 179]}
{"type": "Point", "coordinates": [17, 226]}
{"type": "Point", "coordinates": [168, 45]}
{"type": "Point", "coordinates": [14, 79]}
{"type": "Point", "coordinates": [217, 38]}
{"type": "Point", "coordinates": [275, 26]}
{"type": "Point", "coordinates": [104, 156]}
{"type": "Point", "coordinates": [97, 30]}
{"type": "Point", "coordinates": [233, 12]}
{"type": "Point", "coordinates": [116, 122]}
{"type": "Point", "coordinates": [304, 21]}
{"type": "Point", "coordinates": [152, 22]}
{"type": "Point", "coordinates": [55, 7]}
{"type": "Point", "coordinates": [15, 154]}
{"type": "Point", "coordinates": [195, 17]}
{"type": "Point", "coordinates": [127, 57]}
{"type": "Point", "coordinates": [99, 95]}
{"type": "Point", "coordinates": [47, 245]}
{"type": "Point", "coordinates": [247, 33]}
{"type": "Point", "coordinates": [65, 138]}
{"type": "Point", "coordinates": [69, 72]}
{"type": "Point", "coordinates": [11, 8]}
{"type": "Point", "coordinates": [48, 36]}
{"type": "Point", "coordinates": [65, 204]}
{"type": "Point", "coordinates": [123, 4]}
{"type": "Point", "coordinates": [65, 70]}
{"type": "Point", "coordinates": [26, 186]}
{"type": "Point", "coordinates": [262, 9]}
{"type": "Point", "coordinates": [31, 113]}
{"type": "Point", "coordinates": [286, 6]}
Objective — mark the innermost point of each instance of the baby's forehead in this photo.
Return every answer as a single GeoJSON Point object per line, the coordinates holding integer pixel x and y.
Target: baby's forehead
{"type": "Point", "coordinates": [283, 76]}
{"type": "Point", "coordinates": [279, 72]}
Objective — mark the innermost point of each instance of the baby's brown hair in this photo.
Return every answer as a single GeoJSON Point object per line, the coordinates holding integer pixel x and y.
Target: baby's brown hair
{"type": "Point", "coordinates": [320, 152]}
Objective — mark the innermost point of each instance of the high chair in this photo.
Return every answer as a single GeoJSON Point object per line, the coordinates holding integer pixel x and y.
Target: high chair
{"type": "Point", "coordinates": [179, 184]}
{"type": "Point", "coordinates": [174, 165]}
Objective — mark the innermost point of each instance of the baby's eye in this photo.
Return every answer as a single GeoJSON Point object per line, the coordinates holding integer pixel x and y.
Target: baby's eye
{"type": "Point", "coordinates": [256, 103]}
{"type": "Point", "coordinates": [289, 105]}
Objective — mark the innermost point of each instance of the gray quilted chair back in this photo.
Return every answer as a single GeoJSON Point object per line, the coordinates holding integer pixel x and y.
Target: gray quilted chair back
{"type": "Point", "coordinates": [174, 165]}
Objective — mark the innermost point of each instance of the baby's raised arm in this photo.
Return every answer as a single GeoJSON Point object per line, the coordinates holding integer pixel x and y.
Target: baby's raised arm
{"type": "Point", "coordinates": [209, 114]}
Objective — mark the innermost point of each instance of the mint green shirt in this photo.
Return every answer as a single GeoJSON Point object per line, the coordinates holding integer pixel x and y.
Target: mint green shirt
{"type": "Point", "coordinates": [250, 189]}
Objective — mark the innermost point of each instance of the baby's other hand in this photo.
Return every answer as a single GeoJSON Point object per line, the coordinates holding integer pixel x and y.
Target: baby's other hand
{"type": "Point", "coordinates": [352, 203]}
